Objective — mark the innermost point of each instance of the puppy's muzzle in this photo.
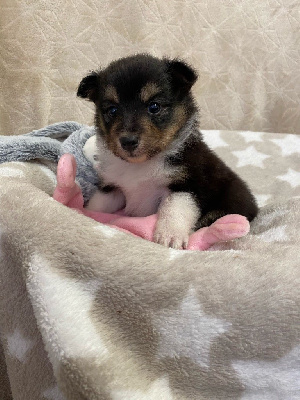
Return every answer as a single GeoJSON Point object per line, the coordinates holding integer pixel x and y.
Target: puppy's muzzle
{"type": "Point", "coordinates": [129, 143]}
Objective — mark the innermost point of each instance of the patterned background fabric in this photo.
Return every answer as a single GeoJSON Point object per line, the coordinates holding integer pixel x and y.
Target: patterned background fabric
{"type": "Point", "coordinates": [246, 52]}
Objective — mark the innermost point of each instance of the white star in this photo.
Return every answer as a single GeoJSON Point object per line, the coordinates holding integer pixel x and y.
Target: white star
{"type": "Point", "coordinates": [159, 390]}
{"type": "Point", "coordinates": [213, 139]}
{"type": "Point", "coordinates": [18, 345]}
{"type": "Point", "coordinates": [290, 144]}
{"type": "Point", "coordinates": [11, 171]}
{"type": "Point", "coordinates": [47, 171]}
{"type": "Point", "coordinates": [188, 331]}
{"type": "Point", "coordinates": [174, 253]}
{"type": "Point", "coordinates": [268, 218]}
{"type": "Point", "coordinates": [292, 177]}
{"type": "Point", "coordinates": [262, 199]}
{"type": "Point", "coordinates": [252, 136]}
{"type": "Point", "coordinates": [71, 333]}
{"type": "Point", "coordinates": [108, 231]}
{"type": "Point", "coordinates": [53, 393]}
{"type": "Point", "coordinates": [274, 235]}
{"type": "Point", "coordinates": [250, 156]}
{"type": "Point", "coordinates": [270, 380]}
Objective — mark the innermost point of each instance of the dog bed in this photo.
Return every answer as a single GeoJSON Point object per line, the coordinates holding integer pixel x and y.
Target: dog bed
{"type": "Point", "coordinates": [90, 312]}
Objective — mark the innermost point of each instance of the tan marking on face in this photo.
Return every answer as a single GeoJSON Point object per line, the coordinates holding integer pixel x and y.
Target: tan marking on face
{"type": "Point", "coordinates": [111, 94]}
{"type": "Point", "coordinates": [99, 122]}
{"type": "Point", "coordinates": [155, 139]}
{"type": "Point", "coordinates": [112, 138]}
{"type": "Point", "coordinates": [148, 91]}
{"type": "Point", "coordinates": [152, 141]}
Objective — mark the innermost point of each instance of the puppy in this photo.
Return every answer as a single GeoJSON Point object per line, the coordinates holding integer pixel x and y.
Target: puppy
{"type": "Point", "coordinates": [152, 158]}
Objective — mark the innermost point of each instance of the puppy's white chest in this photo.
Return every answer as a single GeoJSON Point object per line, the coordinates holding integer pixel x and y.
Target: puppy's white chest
{"type": "Point", "coordinates": [144, 185]}
{"type": "Point", "coordinates": [144, 199]}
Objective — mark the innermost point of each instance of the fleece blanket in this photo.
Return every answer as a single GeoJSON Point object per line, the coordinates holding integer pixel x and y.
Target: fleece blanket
{"type": "Point", "coordinates": [90, 312]}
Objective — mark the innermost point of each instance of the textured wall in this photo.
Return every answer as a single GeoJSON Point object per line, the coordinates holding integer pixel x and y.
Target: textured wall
{"type": "Point", "coordinates": [246, 52]}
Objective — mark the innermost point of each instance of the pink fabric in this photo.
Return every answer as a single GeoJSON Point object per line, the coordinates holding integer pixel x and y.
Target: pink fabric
{"type": "Point", "coordinates": [68, 193]}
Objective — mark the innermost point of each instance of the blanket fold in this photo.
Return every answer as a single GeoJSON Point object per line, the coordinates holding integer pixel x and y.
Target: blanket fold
{"type": "Point", "coordinates": [90, 312]}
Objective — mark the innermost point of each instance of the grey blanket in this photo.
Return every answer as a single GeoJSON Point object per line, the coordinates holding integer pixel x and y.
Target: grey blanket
{"type": "Point", "coordinates": [89, 312]}
{"type": "Point", "coordinates": [49, 144]}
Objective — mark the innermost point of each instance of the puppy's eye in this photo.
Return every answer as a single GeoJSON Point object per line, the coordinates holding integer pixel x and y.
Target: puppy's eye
{"type": "Point", "coordinates": [112, 111]}
{"type": "Point", "coordinates": [154, 108]}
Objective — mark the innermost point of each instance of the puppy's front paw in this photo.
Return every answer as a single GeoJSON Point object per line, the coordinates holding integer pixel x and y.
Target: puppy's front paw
{"type": "Point", "coordinates": [177, 216]}
{"type": "Point", "coordinates": [171, 235]}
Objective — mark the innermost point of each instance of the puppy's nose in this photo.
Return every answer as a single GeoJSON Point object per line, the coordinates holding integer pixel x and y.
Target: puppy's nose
{"type": "Point", "coordinates": [129, 142]}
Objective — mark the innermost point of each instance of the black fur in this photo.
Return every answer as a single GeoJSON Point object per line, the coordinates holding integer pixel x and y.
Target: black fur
{"type": "Point", "coordinates": [174, 77]}
{"type": "Point", "coordinates": [217, 189]}
{"type": "Point", "coordinates": [89, 87]}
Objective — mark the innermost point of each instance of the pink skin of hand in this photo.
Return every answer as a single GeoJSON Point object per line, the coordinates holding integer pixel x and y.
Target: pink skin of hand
{"type": "Point", "coordinates": [69, 193]}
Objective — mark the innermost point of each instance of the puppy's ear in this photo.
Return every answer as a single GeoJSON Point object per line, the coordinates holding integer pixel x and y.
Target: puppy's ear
{"type": "Point", "coordinates": [182, 75]}
{"type": "Point", "coordinates": [89, 87]}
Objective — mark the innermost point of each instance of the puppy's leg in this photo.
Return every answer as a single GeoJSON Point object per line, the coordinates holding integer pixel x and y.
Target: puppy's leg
{"type": "Point", "coordinates": [177, 216]}
{"type": "Point", "coordinates": [106, 202]}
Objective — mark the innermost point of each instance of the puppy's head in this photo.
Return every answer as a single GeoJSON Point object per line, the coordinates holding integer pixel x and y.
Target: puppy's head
{"type": "Point", "coordinates": [141, 104]}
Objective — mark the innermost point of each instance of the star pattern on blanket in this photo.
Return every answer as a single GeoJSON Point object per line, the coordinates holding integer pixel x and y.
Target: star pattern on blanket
{"type": "Point", "coordinates": [262, 199]}
{"type": "Point", "coordinates": [18, 345]}
{"type": "Point", "coordinates": [250, 156]}
{"type": "Point", "coordinates": [271, 380]}
{"type": "Point", "coordinates": [269, 218]}
{"type": "Point", "coordinates": [252, 136]}
{"type": "Point", "coordinates": [174, 253]}
{"type": "Point", "coordinates": [50, 174]}
{"type": "Point", "coordinates": [74, 328]}
{"type": "Point", "coordinates": [292, 177]}
{"type": "Point", "coordinates": [213, 139]}
{"type": "Point", "coordinates": [187, 331]}
{"type": "Point", "coordinates": [11, 172]}
{"type": "Point", "coordinates": [108, 231]}
{"type": "Point", "coordinates": [159, 390]}
{"type": "Point", "coordinates": [290, 144]}
{"type": "Point", "coordinates": [276, 234]}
